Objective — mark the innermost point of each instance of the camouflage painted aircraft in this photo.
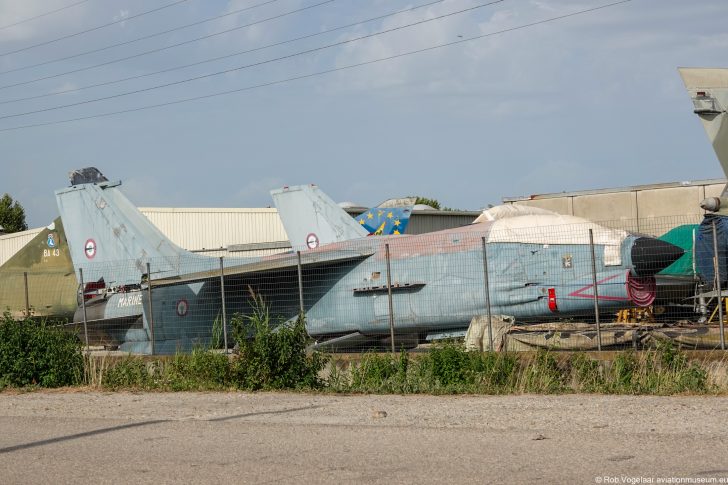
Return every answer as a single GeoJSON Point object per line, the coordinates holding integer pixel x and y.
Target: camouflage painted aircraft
{"type": "Point", "coordinates": [536, 272]}
{"type": "Point", "coordinates": [51, 281]}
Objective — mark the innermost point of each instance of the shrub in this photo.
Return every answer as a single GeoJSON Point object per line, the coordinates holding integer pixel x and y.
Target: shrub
{"type": "Point", "coordinates": [273, 354]}
{"type": "Point", "coordinates": [38, 353]}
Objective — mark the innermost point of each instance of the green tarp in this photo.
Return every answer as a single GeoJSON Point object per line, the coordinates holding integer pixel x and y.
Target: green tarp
{"type": "Point", "coordinates": [683, 237]}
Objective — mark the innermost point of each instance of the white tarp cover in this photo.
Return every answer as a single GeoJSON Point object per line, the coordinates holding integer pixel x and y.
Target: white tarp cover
{"type": "Point", "coordinates": [533, 225]}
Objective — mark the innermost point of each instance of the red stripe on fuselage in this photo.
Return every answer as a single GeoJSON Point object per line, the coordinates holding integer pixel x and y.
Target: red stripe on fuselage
{"type": "Point", "coordinates": [580, 292]}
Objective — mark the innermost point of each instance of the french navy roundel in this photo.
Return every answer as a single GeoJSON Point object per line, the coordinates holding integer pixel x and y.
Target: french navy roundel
{"type": "Point", "coordinates": [312, 241]}
{"type": "Point", "coordinates": [182, 307]}
{"type": "Point", "coordinates": [89, 248]}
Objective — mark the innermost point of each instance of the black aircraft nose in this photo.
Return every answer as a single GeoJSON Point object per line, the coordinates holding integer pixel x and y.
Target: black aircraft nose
{"type": "Point", "coordinates": [650, 255]}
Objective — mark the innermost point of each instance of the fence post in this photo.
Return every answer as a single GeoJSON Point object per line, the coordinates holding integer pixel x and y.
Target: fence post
{"type": "Point", "coordinates": [389, 295]}
{"type": "Point", "coordinates": [224, 310]}
{"type": "Point", "coordinates": [596, 290]}
{"type": "Point", "coordinates": [27, 299]}
{"type": "Point", "coordinates": [83, 306]}
{"type": "Point", "coordinates": [151, 307]}
{"type": "Point", "coordinates": [487, 294]}
{"type": "Point", "coordinates": [300, 284]}
{"type": "Point", "coordinates": [716, 270]}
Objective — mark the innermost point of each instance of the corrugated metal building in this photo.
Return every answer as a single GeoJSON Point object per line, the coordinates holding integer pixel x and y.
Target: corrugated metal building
{"type": "Point", "coordinates": [240, 232]}
{"type": "Point", "coordinates": [212, 231]}
{"type": "Point", "coordinates": [12, 243]}
{"type": "Point", "coordinates": [650, 209]}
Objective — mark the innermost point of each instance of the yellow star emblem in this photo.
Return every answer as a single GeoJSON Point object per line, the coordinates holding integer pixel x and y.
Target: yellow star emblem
{"type": "Point", "coordinates": [395, 231]}
{"type": "Point", "coordinates": [361, 221]}
{"type": "Point", "coordinates": [370, 216]}
{"type": "Point", "coordinates": [396, 222]}
{"type": "Point", "coordinates": [390, 215]}
{"type": "Point", "coordinates": [379, 213]}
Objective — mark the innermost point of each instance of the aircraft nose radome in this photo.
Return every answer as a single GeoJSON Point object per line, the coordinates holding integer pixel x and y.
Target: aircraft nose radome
{"type": "Point", "coordinates": [650, 255]}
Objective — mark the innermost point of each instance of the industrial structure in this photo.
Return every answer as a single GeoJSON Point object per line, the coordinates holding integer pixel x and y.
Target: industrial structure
{"type": "Point", "coordinates": [650, 209]}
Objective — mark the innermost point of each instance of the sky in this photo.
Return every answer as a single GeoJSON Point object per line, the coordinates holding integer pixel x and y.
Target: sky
{"type": "Point", "coordinates": [589, 101]}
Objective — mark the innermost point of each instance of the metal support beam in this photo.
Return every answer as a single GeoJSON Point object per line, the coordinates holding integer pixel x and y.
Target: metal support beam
{"type": "Point", "coordinates": [83, 306]}
{"type": "Point", "coordinates": [716, 270]}
{"type": "Point", "coordinates": [389, 295]}
{"type": "Point", "coordinates": [487, 294]}
{"type": "Point", "coordinates": [596, 290]}
{"type": "Point", "coordinates": [301, 308]}
{"type": "Point", "coordinates": [27, 298]}
{"type": "Point", "coordinates": [224, 310]}
{"type": "Point", "coordinates": [151, 307]}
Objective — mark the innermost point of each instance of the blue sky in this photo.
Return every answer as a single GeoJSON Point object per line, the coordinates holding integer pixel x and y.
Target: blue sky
{"type": "Point", "coordinates": [586, 102]}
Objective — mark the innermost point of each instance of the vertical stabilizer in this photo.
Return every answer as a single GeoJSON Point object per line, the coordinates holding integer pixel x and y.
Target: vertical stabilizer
{"type": "Point", "coordinates": [45, 264]}
{"type": "Point", "coordinates": [107, 235]}
{"type": "Point", "coordinates": [708, 89]}
{"type": "Point", "coordinates": [311, 218]}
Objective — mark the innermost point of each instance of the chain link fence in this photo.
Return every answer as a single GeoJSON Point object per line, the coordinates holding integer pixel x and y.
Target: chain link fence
{"type": "Point", "coordinates": [500, 285]}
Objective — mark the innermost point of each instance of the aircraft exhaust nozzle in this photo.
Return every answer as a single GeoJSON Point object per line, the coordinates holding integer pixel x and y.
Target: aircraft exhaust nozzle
{"type": "Point", "coordinates": [650, 255]}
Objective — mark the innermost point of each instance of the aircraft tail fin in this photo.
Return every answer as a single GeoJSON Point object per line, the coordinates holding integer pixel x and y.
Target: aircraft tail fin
{"type": "Point", "coordinates": [104, 230]}
{"type": "Point", "coordinates": [708, 89]}
{"type": "Point", "coordinates": [311, 218]}
{"type": "Point", "coordinates": [384, 221]}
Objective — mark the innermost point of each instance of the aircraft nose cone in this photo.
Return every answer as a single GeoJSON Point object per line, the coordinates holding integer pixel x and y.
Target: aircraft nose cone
{"type": "Point", "coordinates": [650, 255]}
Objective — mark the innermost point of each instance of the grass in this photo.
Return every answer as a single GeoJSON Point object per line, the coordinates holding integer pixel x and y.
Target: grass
{"type": "Point", "coordinates": [273, 356]}
{"type": "Point", "coordinates": [449, 369]}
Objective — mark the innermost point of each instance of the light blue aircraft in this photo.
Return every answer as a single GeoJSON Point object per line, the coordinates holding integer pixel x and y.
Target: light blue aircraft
{"type": "Point", "coordinates": [538, 270]}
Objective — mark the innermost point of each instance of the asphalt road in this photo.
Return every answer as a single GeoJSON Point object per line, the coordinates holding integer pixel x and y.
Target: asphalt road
{"type": "Point", "coordinates": [91, 437]}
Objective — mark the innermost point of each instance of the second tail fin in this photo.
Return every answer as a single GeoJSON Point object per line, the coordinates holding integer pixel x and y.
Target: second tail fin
{"type": "Point", "coordinates": [311, 218]}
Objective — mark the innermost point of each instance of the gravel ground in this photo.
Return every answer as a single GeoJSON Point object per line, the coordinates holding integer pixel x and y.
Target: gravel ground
{"type": "Point", "coordinates": [72, 437]}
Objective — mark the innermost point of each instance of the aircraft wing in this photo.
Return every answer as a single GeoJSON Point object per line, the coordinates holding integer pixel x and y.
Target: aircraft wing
{"type": "Point", "coordinates": [309, 259]}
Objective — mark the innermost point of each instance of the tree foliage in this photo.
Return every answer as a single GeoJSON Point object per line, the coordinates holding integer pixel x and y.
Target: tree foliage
{"type": "Point", "coordinates": [12, 215]}
{"type": "Point", "coordinates": [434, 203]}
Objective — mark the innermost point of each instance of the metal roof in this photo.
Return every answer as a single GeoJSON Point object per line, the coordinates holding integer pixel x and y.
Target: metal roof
{"type": "Point", "coordinates": [632, 188]}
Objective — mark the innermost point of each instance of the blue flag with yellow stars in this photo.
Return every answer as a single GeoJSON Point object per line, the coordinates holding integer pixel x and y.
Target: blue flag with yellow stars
{"type": "Point", "coordinates": [383, 222]}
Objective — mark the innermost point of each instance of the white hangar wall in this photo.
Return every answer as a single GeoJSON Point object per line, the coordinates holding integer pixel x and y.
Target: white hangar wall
{"type": "Point", "coordinates": [650, 209]}
{"type": "Point", "coordinates": [12, 243]}
{"type": "Point", "coordinates": [212, 231]}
